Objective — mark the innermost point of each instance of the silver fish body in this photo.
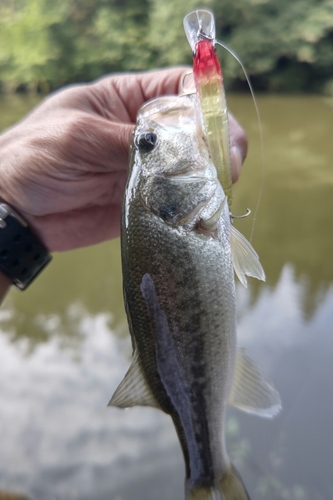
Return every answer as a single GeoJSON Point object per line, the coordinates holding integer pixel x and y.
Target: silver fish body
{"type": "Point", "coordinates": [179, 290]}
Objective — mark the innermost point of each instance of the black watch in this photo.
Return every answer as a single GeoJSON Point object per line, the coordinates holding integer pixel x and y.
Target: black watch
{"type": "Point", "coordinates": [22, 255]}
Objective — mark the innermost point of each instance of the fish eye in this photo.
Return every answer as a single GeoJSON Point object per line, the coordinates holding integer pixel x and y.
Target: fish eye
{"type": "Point", "coordinates": [146, 141]}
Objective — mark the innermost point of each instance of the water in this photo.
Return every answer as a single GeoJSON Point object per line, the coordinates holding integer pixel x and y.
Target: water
{"type": "Point", "coordinates": [64, 345]}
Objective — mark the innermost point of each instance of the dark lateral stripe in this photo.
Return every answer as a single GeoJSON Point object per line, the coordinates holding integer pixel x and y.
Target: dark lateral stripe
{"type": "Point", "coordinates": [175, 382]}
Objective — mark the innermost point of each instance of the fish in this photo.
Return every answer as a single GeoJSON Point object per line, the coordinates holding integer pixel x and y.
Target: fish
{"type": "Point", "coordinates": [199, 27]}
{"type": "Point", "coordinates": [179, 295]}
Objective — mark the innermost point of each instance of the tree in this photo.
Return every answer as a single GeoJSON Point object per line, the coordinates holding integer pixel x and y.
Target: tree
{"type": "Point", "coordinates": [284, 45]}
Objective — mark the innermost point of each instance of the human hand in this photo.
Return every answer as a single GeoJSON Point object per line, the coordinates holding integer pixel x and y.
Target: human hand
{"type": "Point", "coordinates": [64, 167]}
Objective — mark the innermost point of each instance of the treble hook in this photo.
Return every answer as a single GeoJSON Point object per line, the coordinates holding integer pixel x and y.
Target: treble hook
{"type": "Point", "coordinates": [248, 211]}
{"type": "Point", "coordinates": [186, 92]}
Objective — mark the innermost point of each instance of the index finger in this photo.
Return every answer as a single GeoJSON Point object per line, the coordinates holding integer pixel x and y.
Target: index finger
{"type": "Point", "coordinates": [134, 89]}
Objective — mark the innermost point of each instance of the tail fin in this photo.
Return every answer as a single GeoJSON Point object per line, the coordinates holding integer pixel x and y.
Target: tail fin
{"type": "Point", "coordinates": [230, 487]}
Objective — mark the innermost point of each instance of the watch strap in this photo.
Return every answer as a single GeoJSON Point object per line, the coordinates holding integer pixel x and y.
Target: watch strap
{"type": "Point", "coordinates": [22, 255]}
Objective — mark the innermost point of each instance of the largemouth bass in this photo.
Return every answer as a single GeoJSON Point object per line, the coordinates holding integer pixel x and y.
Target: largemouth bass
{"type": "Point", "coordinates": [179, 291]}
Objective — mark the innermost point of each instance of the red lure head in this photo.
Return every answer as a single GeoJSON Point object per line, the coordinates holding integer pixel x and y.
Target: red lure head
{"type": "Point", "coordinates": [205, 61]}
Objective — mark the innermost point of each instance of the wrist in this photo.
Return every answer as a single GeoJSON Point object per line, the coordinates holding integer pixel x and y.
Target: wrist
{"type": "Point", "coordinates": [22, 255]}
{"type": "Point", "coordinates": [5, 284]}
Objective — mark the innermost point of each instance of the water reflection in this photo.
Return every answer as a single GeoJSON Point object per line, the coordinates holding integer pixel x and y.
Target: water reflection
{"type": "Point", "coordinates": [292, 453]}
{"type": "Point", "coordinates": [59, 441]}
{"type": "Point", "coordinates": [294, 220]}
{"type": "Point", "coordinates": [91, 276]}
{"type": "Point", "coordinates": [64, 346]}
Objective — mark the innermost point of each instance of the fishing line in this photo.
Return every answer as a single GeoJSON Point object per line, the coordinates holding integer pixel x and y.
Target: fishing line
{"type": "Point", "coordinates": [261, 138]}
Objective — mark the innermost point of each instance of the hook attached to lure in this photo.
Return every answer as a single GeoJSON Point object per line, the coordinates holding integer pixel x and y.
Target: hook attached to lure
{"type": "Point", "coordinates": [248, 212]}
{"type": "Point", "coordinates": [186, 91]}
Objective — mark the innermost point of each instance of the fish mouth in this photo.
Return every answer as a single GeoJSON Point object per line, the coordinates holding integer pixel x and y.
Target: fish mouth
{"type": "Point", "coordinates": [159, 108]}
{"type": "Point", "coordinates": [189, 177]}
{"type": "Point", "coordinates": [191, 172]}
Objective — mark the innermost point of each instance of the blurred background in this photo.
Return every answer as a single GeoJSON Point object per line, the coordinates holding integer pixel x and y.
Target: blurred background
{"type": "Point", "coordinates": [64, 343]}
{"type": "Point", "coordinates": [285, 46]}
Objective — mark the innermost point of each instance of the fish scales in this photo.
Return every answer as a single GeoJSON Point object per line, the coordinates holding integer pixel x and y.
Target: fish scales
{"type": "Point", "coordinates": [199, 303]}
{"type": "Point", "coordinates": [180, 296]}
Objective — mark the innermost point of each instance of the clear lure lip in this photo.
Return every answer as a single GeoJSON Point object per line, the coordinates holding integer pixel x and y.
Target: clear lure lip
{"type": "Point", "coordinates": [199, 22]}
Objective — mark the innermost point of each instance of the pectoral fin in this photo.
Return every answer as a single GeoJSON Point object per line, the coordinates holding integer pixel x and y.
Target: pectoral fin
{"type": "Point", "coordinates": [252, 391]}
{"type": "Point", "coordinates": [245, 258]}
{"type": "Point", "coordinates": [133, 390]}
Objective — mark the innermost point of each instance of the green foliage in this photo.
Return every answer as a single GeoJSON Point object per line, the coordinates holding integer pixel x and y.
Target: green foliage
{"type": "Point", "coordinates": [166, 34]}
{"type": "Point", "coordinates": [25, 42]}
{"type": "Point", "coordinates": [47, 44]}
{"type": "Point", "coordinates": [285, 45]}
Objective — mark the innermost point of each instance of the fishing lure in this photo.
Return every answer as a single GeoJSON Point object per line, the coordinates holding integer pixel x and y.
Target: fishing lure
{"type": "Point", "coordinates": [199, 27]}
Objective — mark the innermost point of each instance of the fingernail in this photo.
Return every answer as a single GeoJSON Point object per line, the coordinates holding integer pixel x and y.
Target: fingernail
{"type": "Point", "coordinates": [236, 162]}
